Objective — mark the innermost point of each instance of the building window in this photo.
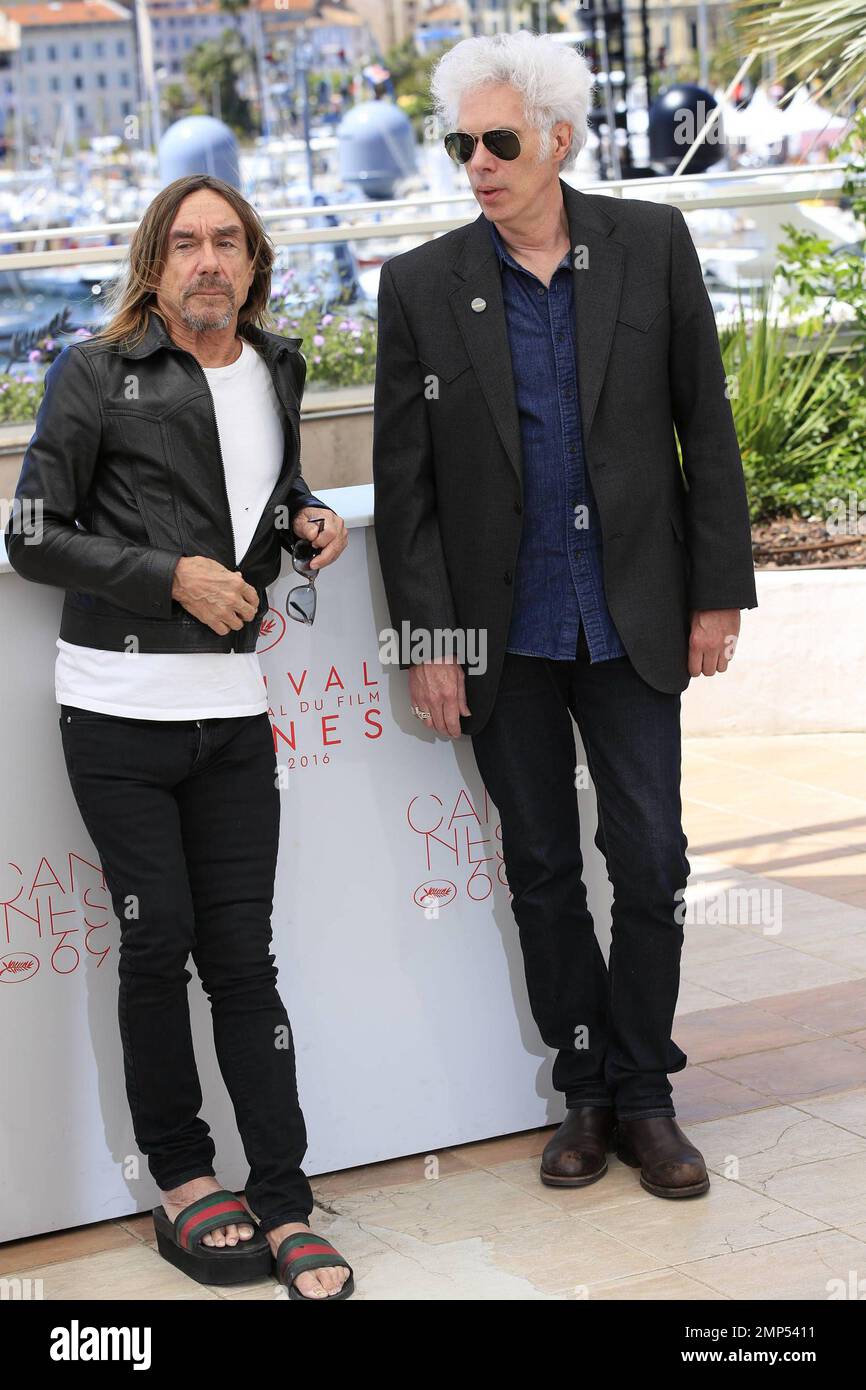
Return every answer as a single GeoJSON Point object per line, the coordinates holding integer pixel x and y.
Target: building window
{"type": "Point", "coordinates": [121, 48]}
{"type": "Point", "coordinates": [78, 82]}
{"type": "Point", "coordinates": [99, 49]}
{"type": "Point", "coordinates": [76, 50]}
{"type": "Point", "coordinates": [124, 78]}
{"type": "Point", "coordinates": [54, 84]}
{"type": "Point", "coordinates": [51, 53]}
{"type": "Point", "coordinates": [81, 112]}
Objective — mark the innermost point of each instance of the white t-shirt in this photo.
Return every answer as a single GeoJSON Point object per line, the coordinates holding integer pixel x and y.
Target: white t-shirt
{"type": "Point", "coordinates": [197, 685]}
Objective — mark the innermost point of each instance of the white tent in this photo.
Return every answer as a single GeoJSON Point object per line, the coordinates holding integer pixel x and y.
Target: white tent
{"type": "Point", "coordinates": [803, 121]}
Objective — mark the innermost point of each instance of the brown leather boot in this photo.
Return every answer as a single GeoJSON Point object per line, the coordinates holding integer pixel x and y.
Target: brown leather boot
{"type": "Point", "coordinates": [575, 1155]}
{"type": "Point", "coordinates": [669, 1165]}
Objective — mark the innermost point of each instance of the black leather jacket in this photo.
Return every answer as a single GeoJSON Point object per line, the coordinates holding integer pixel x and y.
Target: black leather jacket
{"type": "Point", "coordinates": [126, 462]}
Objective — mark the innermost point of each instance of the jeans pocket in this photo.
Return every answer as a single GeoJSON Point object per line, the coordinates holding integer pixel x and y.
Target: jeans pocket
{"type": "Point", "coordinates": [72, 714]}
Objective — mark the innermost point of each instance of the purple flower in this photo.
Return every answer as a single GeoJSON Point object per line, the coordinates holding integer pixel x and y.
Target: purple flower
{"type": "Point", "coordinates": [326, 319]}
{"type": "Point", "coordinates": [318, 340]}
{"type": "Point", "coordinates": [34, 356]}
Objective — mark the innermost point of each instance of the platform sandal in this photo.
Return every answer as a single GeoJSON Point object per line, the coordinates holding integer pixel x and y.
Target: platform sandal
{"type": "Point", "coordinates": [180, 1241]}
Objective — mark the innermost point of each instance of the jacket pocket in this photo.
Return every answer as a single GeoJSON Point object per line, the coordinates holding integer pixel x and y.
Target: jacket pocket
{"type": "Point", "coordinates": [146, 460]}
{"type": "Point", "coordinates": [643, 303]}
{"type": "Point", "coordinates": [449, 368]}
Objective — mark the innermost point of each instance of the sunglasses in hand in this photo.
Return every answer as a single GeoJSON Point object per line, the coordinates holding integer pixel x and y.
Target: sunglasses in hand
{"type": "Point", "coordinates": [301, 601]}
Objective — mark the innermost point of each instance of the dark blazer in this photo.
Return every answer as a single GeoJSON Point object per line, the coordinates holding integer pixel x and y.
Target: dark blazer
{"type": "Point", "coordinates": [447, 457]}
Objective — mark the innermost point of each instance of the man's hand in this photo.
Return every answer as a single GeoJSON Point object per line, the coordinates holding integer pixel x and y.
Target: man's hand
{"type": "Point", "coordinates": [440, 688]}
{"type": "Point", "coordinates": [713, 640]}
{"type": "Point", "coordinates": [331, 541]}
{"type": "Point", "coordinates": [219, 597]}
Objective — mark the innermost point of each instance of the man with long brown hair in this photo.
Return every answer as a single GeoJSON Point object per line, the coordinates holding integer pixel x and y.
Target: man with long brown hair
{"type": "Point", "coordinates": [165, 470]}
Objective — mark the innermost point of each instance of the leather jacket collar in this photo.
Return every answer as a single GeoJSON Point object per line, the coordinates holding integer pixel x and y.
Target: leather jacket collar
{"type": "Point", "coordinates": [271, 345]}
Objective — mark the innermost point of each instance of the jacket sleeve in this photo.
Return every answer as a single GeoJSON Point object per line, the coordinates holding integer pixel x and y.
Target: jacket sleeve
{"type": "Point", "coordinates": [718, 532]}
{"type": "Point", "coordinates": [299, 495]}
{"type": "Point", "coordinates": [408, 538]}
{"type": "Point", "coordinates": [43, 539]}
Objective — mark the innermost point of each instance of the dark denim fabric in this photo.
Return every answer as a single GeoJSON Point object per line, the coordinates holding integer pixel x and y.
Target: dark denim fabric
{"type": "Point", "coordinates": [558, 583]}
{"type": "Point", "coordinates": [185, 815]}
{"type": "Point", "coordinates": [611, 1024]}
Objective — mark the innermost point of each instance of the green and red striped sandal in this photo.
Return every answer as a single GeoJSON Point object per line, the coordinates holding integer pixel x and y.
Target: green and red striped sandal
{"type": "Point", "coordinates": [179, 1241]}
{"type": "Point", "coordinates": [303, 1251]}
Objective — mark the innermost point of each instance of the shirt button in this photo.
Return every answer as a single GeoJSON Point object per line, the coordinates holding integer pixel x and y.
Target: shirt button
{"type": "Point", "coordinates": [540, 290]}
{"type": "Point", "coordinates": [507, 576]}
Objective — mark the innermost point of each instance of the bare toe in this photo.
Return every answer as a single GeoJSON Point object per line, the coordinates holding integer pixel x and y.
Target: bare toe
{"type": "Point", "coordinates": [310, 1285]}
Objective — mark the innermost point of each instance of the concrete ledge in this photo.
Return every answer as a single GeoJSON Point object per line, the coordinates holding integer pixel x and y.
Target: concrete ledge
{"type": "Point", "coordinates": [336, 440]}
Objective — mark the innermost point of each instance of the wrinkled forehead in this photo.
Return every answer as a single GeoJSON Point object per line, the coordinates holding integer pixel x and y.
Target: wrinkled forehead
{"type": "Point", "coordinates": [490, 105]}
{"type": "Point", "coordinates": [206, 213]}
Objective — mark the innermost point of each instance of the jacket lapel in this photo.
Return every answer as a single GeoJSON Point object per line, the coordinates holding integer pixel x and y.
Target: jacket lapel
{"type": "Point", "coordinates": [485, 334]}
{"type": "Point", "coordinates": [597, 267]}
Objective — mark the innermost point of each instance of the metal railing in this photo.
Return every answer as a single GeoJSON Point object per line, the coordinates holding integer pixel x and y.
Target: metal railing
{"type": "Point", "coordinates": [810, 182]}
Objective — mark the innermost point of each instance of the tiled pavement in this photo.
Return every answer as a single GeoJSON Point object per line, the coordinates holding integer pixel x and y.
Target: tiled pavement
{"type": "Point", "coordinates": [773, 1019]}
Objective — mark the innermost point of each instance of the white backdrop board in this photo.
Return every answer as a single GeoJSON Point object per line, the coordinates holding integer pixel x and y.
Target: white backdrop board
{"type": "Point", "coordinates": [412, 1031]}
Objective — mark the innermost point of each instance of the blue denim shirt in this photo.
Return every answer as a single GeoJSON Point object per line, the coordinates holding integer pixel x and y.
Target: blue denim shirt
{"type": "Point", "coordinates": [558, 580]}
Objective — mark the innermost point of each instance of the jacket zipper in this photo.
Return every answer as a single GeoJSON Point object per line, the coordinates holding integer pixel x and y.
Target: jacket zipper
{"type": "Point", "coordinates": [222, 462]}
{"type": "Point", "coordinates": [234, 634]}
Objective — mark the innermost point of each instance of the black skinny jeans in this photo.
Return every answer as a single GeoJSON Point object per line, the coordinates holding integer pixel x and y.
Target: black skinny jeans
{"type": "Point", "coordinates": [610, 1024]}
{"type": "Point", "coordinates": [185, 815]}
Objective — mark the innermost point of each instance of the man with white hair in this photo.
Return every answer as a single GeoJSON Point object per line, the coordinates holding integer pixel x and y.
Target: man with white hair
{"type": "Point", "coordinates": [535, 370]}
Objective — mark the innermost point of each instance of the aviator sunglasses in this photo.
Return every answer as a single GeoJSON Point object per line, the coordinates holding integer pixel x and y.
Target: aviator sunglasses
{"type": "Point", "coordinates": [301, 601]}
{"type": "Point", "coordinates": [504, 144]}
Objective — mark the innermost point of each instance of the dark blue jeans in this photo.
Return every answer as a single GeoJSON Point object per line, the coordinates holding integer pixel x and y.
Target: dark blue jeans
{"type": "Point", "coordinates": [611, 1024]}
{"type": "Point", "coordinates": [185, 815]}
